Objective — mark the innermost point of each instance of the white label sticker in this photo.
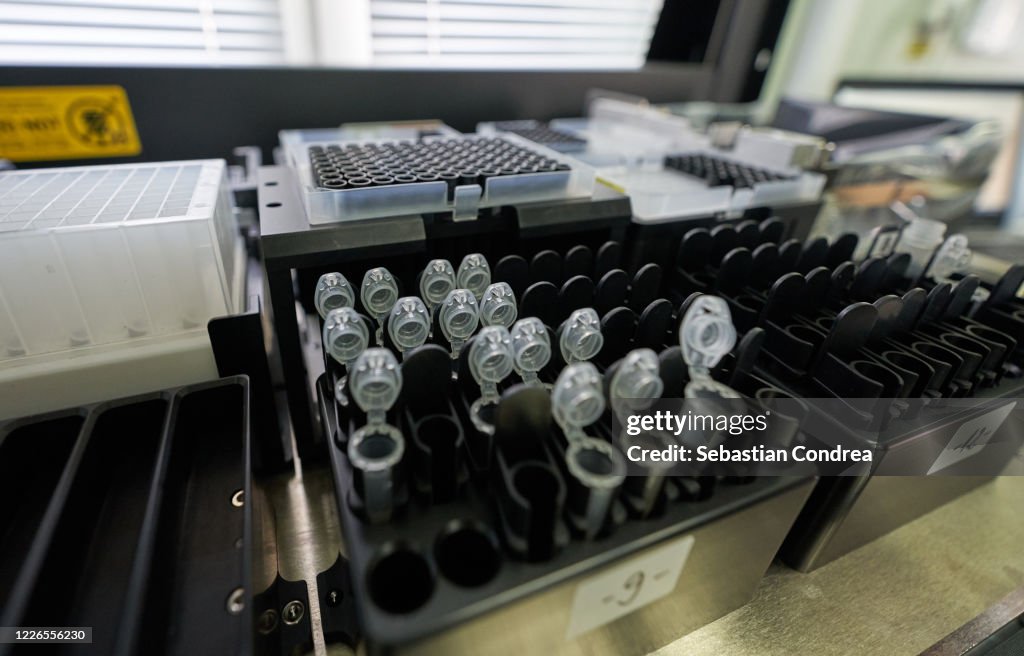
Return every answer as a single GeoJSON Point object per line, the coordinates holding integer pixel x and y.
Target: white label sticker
{"type": "Point", "coordinates": [627, 587]}
{"type": "Point", "coordinates": [971, 437]}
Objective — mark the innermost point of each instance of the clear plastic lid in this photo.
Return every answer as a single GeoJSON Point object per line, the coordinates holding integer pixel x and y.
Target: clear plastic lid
{"type": "Point", "coordinates": [378, 292]}
{"type": "Point", "coordinates": [333, 291]}
{"type": "Point", "coordinates": [474, 274]}
{"type": "Point", "coordinates": [637, 381]}
{"type": "Point", "coordinates": [531, 347]}
{"type": "Point", "coordinates": [375, 382]}
{"type": "Point", "coordinates": [345, 335]}
{"type": "Point", "coordinates": [577, 399]}
{"type": "Point", "coordinates": [437, 279]}
{"type": "Point", "coordinates": [706, 333]}
{"type": "Point", "coordinates": [498, 305]}
{"type": "Point", "coordinates": [490, 355]}
{"type": "Point", "coordinates": [581, 337]}
{"type": "Point", "coordinates": [409, 323]}
{"type": "Point", "coordinates": [952, 257]}
{"type": "Point", "coordinates": [459, 315]}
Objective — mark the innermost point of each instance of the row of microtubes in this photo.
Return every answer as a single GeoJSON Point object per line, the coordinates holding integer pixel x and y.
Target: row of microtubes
{"type": "Point", "coordinates": [457, 302]}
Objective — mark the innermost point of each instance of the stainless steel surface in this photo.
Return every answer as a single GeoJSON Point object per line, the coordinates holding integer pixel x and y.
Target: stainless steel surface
{"type": "Point", "coordinates": [897, 595]}
{"type": "Point", "coordinates": [301, 538]}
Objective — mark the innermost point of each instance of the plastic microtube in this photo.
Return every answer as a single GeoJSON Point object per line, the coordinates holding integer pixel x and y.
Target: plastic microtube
{"type": "Point", "coordinates": [633, 388]}
{"type": "Point", "coordinates": [490, 362]}
{"type": "Point", "coordinates": [409, 324]}
{"type": "Point", "coordinates": [459, 318]}
{"type": "Point", "coordinates": [437, 279]}
{"type": "Point", "coordinates": [498, 305]}
{"type": "Point", "coordinates": [333, 291]}
{"type": "Point", "coordinates": [919, 239]}
{"type": "Point", "coordinates": [577, 399]}
{"type": "Point", "coordinates": [706, 335]}
{"type": "Point", "coordinates": [636, 383]}
{"type": "Point", "coordinates": [531, 348]}
{"type": "Point", "coordinates": [474, 274]}
{"type": "Point", "coordinates": [345, 337]}
{"type": "Point", "coordinates": [377, 448]}
{"type": "Point", "coordinates": [581, 337]}
{"type": "Point", "coordinates": [378, 295]}
{"type": "Point", "coordinates": [952, 257]}
{"type": "Point", "coordinates": [376, 380]}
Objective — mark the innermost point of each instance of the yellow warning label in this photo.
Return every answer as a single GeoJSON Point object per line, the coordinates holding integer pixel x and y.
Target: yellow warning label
{"type": "Point", "coordinates": [54, 123]}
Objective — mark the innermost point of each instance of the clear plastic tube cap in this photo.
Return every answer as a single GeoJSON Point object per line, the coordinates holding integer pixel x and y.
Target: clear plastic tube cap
{"type": "Point", "coordinates": [498, 305]}
{"type": "Point", "coordinates": [379, 291]}
{"type": "Point", "coordinates": [581, 337]}
{"type": "Point", "coordinates": [409, 323]}
{"type": "Point", "coordinates": [345, 334]}
{"type": "Point", "coordinates": [437, 279]}
{"type": "Point", "coordinates": [952, 257]}
{"type": "Point", "coordinates": [375, 380]}
{"type": "Point", "coordinates": [490, 355]}
{"type": "Point", "coordinates": [577, 399]}
{"type": "Point", "coordinates": [333, 291]}
{"type": "Point", "coordinates": [459, 315]}
{"type": "Point", "coordinates": [474, 274]}
{"type": "Point", "coordinates": [637, 380]}
{"type": "Point", "coordinates": [707, 333]}
{"type": "Point", "coordinates": [531, 344]}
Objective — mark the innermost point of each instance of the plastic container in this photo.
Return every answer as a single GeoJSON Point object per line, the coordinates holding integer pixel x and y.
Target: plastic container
{"type": "Point", "coordinates": [128, 515]}
{"type": "Point", "coordinates": [635, 149]}
{"type": "Point", "coordinates": [370, 130]}
{"type": "Point", "coordinates": [96, 255]}
{"type": "Point", "coordinates": [920, 238]}
{"type": "Point", "coordinates": [401, 180]}
{"type": "Point", "coordinates": [94, 260]}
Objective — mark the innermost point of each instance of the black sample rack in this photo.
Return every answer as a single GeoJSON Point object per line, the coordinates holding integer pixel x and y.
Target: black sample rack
{"type": "Point", "coordinates": [716, 171]}
{"type": "Point", "coordinates": [483, 525]}
{"type": "Point", "coordinates": [878, 352]}
{"type": "Point", "coordinates": [542, 133]}
{"type": "Point", "coordinates": [480, 535]}
{"type": "Point", "coordinates": [812, 324]}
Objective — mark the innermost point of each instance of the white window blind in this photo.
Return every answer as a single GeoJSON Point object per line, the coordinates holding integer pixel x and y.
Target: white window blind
{"type": "Point", "coordinates": [141, 32]}
{"type": "Point", "coordinates": [527, 34]}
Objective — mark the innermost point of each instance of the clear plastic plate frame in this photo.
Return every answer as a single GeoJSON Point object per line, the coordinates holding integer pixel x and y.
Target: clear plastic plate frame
{"type": "Point", "coordinates": [331, 206]}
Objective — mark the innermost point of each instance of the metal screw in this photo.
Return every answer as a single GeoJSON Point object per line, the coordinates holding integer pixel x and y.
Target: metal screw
{"type": "Point", "coordinates": [238, 498]}
{"type": "Point", "coordinates": [333, 598]}
{"type": "Point", "coordinates": [293, 612]}
{"type": "Point", "coordinates": [236, 601]}
{"type": "Point", "coordinates": [267, 621]}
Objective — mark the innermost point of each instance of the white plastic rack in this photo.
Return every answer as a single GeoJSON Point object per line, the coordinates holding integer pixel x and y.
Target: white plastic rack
{"type": "Point", "coordinates": [103, 258]}
{"type": "Point", "coordinates": [637, 150]}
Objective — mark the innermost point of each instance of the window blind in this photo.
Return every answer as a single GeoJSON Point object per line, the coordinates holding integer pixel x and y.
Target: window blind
{"type": "Point", "coordinates": [527, 34]}
{"type": "Point", "coordinates": [141, 32]}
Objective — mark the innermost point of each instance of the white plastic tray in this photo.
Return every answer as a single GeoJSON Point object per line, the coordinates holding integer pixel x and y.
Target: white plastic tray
{"type": "Point", "coordinates": [101, 255]}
